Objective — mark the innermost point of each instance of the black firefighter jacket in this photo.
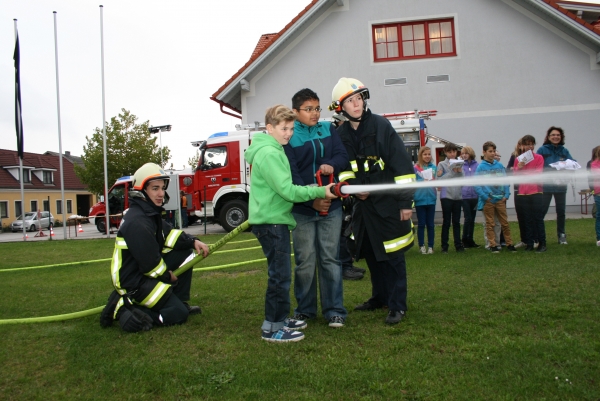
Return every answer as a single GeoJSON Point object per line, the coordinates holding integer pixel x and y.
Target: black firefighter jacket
{"type": "Point", "coordinates": [377, 156]}
{"type": "Point", "coordinates": [138, 268]}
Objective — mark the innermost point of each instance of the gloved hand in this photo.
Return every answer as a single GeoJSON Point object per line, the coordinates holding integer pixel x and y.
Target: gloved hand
{"type": "Point", "coordinates": [134, 320]}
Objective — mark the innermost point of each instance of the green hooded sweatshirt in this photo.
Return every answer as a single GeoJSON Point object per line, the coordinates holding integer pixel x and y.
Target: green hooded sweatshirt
{"type": "Point", "coordinates": [272, 193]}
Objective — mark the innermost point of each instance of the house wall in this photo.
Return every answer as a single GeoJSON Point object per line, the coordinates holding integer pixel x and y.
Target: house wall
{"type": "Point", "coordinates": [514, 74]}
{"type": "Point", "coordinates": [12, 196]}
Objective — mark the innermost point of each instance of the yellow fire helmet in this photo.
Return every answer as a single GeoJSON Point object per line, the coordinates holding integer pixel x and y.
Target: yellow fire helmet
{"type": "Point", "coordinates": [345, 88]}
{"type": "Point", "coordinates": [149, 172]}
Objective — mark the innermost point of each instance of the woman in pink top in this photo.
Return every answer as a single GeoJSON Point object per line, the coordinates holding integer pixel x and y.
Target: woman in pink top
{"type": "Point", "coordinates": [595, 179]}
{"type": "Point", "coordinates": [531, 195]}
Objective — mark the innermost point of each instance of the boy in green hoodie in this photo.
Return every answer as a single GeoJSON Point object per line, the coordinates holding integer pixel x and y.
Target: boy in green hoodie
{"type": "Point", "coordinates": [271, 200]}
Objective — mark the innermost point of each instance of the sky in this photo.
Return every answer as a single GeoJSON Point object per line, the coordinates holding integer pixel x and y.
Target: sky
{"type": "Point", "coordinates": [162, 62]}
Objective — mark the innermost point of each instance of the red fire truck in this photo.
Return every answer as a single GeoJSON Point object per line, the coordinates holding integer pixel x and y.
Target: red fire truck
{"type": "Point", "coordinates": [221, 183]}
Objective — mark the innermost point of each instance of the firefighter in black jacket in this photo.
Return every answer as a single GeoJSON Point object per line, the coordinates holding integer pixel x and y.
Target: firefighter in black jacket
{"type": "Point", "coordinates": [381, 222]}
{"type": "Point", "coordinates": [147, 251]}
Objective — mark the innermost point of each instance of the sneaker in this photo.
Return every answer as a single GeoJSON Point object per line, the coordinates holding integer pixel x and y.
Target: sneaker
{"type": "Point", "coordinates": [350, 274]}
{"type": "Point", "coordinates": [430, 250]}
{"type": "Point", "coordinates": [282, 336]}
{"type": "Point", "coordinates": [337, 321]}
{"type": "Point", "coordinates": [423, 250]}
{"type": "Point", "coordinates": [367, 306]}
{"type": "Point", "coordinates": [511, 248]}
{"type": "Point", "coordinates": [529, 248]}
{"type": "Point", "coordinates": [535, 244]}
{"type": "Point", "coordinates": [444, 250]}
{"type": "Point", "coordinates": [107, 315]}
{"type": "Point", "coordinates": [193, 309]}
{"type": "Point", "coordinates": [598, 243]}
{"type": "Point", "coordinates": [541, 248]}
{"type": "Point", "coordinates": [460, 249]}
{"type": "Point", "coordinates": [358, 269]}
{"type": "Point", "coordinates": [495, 249]}
{"type": "Point", "coordinates": [562, 239]}
{"type": "Point", "coordinates": [295, 324]}
{"type": "Point", "coordinates": [395, 316]}
{"type": "Point", "coordinates": [299, 316]}
{"type": "Point", "coordinates": [474, 245]}
{"type": "Point", "coordinates": [520, 244]}
{"type": "Point", "coordinates": [487, 247]}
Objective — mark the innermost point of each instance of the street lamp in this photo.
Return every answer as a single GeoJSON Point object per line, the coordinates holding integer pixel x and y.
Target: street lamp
{"type": "Point", "coordinates": [159, 129]}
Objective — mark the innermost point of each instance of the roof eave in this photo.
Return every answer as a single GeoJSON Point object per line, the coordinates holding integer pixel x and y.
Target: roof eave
{"type": "Point", "coordinates": [234, 88]}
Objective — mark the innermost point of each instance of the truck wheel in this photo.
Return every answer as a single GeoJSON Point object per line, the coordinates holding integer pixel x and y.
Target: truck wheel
{"type": "Point", "coordinates": [101, 224]}
{"type": "Point", "coordinates": [233, 214]}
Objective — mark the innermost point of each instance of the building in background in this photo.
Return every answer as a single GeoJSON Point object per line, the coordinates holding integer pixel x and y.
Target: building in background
{"type": "Point", "coordinates": [494, 70]}
{"type": "Point", "coordinates": [42, 189]}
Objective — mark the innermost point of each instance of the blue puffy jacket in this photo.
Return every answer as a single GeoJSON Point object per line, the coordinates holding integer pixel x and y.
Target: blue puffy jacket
{"type": "Point", "coordinates": [309, 148]}
{"type": "Point", "coordinates": [495, 192]}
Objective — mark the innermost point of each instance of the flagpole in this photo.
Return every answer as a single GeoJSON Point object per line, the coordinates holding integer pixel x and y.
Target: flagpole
{"type": "Point", "coordinates": [60, 154]}
{"type": "Point", "coordinates": [107, 217]}
{"type": "Point", "coordinates": [19, 123]}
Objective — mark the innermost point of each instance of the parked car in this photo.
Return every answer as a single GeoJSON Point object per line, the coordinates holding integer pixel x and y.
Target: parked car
{"type": "Point", "coordinates": [31, 221]}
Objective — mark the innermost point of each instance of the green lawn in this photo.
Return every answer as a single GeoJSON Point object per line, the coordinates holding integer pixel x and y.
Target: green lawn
{"type": "Point", "coordinates": [479, 327]}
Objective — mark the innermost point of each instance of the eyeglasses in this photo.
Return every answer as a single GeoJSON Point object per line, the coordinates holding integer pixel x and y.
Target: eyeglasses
{"type": "Point", "coordinates": [311, 109]}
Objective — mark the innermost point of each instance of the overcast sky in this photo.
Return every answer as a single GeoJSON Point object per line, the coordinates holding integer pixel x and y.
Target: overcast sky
{"type": "Point", "coordinates": [163, 60]}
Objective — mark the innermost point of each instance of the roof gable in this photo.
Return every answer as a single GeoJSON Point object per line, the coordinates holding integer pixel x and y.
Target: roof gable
{"type": "Point", "coordinates": [229, 94]}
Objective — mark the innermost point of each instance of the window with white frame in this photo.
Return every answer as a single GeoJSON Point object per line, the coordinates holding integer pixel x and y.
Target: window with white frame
{"type": "Point", "coordinates": [46, 205]}
{"type": "Point", "coordinates": [69, 206]}
{"type": "Point", "coordinates": [3, 209]}
{"type": "Point", "coordinates": [59, 206]}
{"type": "Point", "coordinates": [18, 208]}
{"type": "Point", "coordinates": [34, 206]}
{"type": "Point", "coordinates": [48, 177]}
{"type": "Point", "coordinates": [414, 39]}
{"type": "Point", "coordinates": [26, 177]}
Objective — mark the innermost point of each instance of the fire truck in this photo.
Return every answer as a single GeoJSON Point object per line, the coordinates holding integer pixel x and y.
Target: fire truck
{"type": "Point", "coordinates": [221, 183]}
{"type": "Point", "coordinates": [118, 200]}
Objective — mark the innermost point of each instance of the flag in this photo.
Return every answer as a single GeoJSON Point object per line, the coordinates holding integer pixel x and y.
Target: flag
{"type": "Point", "coordinates": [18, 118]}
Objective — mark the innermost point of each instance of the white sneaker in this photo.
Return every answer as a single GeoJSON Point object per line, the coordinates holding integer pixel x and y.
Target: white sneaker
{"type": "Point", "coordinates": [520, 244]}
{"type": "Point", "coordinates": [598, 243]}
{"type": "Point", "coordinates": [423, 250]}
{"type": "Point", "coordinates": [535, 244]}
{"type": "Point", "coordinates": [430, 250]}
{"type": "Point", "coordinates": [562, 239]}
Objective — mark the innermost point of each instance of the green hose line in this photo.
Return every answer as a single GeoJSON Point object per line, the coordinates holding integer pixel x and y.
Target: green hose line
{"type": "Point", "coordinates": [211, 248]}
{"type": "Point", "coordinates": [203, 269]}
{"type": "Point", "coordinates": [55, 265]}
{"type": "Point", "coordinates": [57, 318]}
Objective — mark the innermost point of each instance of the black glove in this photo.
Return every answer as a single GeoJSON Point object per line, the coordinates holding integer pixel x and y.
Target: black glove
{"type": "Point", "coordinates": [134, 320]}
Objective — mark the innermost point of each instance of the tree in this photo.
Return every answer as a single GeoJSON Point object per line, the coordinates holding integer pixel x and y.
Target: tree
{"type": "Point", "coordinates": [193, 161]}
{"type": "Point", "coordinates": [128, 147]}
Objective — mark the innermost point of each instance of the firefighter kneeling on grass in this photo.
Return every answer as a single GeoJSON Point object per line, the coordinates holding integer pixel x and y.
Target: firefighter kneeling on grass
{"type": "Point", "coordinates": [147, 251]}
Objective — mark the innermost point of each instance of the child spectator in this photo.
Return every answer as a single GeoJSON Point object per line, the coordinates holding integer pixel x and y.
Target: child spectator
{"type": "Point", "coordinates": [469, 198]}
{"type": "Point", "coordinates": [270, 206]}
{"type": "Point", "coordinates": [518, 207]}
{"type": "Point", "coordinates": [595, 172]}
{"type": "Point", "coordinates": [493, 197]}
{"type": "Point", "coordinates": [425, 199]}
{"type": "Point", "coordinates": [451, 199]}
{"type": "Point", "coordinates": [531, 198]}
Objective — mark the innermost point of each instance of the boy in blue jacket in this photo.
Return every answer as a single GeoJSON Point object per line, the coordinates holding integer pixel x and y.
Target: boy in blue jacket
{"type": "Point", "coordinates": [316, 147]}
{"type": "Point", "coordinates": [493, 197]}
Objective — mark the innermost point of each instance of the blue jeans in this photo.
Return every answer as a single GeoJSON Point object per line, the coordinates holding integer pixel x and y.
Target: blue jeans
{"type": "Point", "coordinates": [597, 199]}
{"type": "Point", "coordinates": [560, 202]}
{"type": "Point", "coordinates": [425, 215]}
{"type": "Point", "coordinates": [275, 242]}
{"type": "Point", "coordinates": [316, 243]}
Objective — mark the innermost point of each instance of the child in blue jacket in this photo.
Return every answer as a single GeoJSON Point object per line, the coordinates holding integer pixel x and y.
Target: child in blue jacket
{"type": "Point", "coordinates": [425, 199]}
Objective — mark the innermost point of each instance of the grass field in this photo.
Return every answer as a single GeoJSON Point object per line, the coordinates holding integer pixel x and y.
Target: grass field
{"type": "Point", "coordinates": [480, 327]}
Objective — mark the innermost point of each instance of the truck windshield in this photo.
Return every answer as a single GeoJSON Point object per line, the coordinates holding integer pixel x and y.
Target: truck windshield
{"type": "Point", "coordinates": [213, 158]}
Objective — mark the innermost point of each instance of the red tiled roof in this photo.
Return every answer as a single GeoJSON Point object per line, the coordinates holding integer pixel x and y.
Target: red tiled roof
{"type": "Point", "coordinates": [574, 17]}
{"type": "Point", "coordinates": [263, 44]}
{"type": "Point", "coordinates": [10, 158]}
